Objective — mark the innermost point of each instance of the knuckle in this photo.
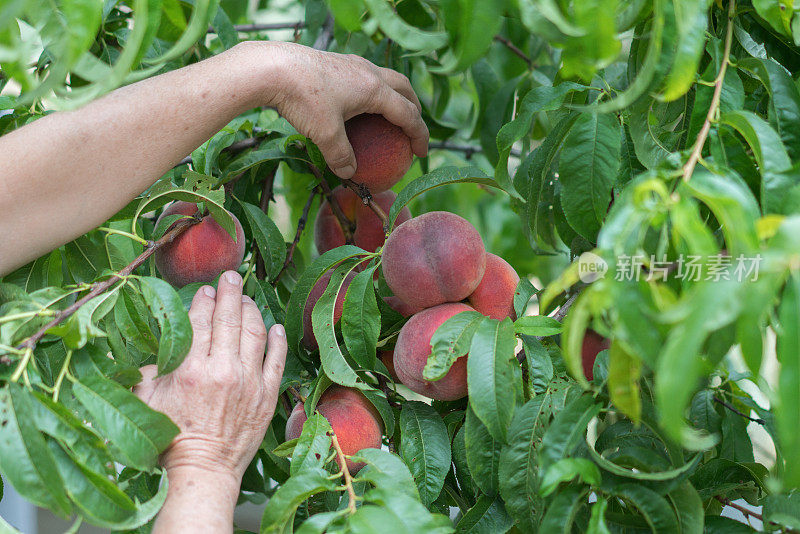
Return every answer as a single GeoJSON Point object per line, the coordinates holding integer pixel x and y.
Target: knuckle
{"type": "Point", "coordinates": [255, 329]}
{"type": "Point", "coordinates": [226, 319]}
{"type": "Point", "coordinates": [226, 376]}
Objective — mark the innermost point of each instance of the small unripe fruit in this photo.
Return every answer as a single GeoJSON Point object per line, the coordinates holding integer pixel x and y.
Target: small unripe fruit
{"type": "Point", "coordinates": [494, 296]}
{"type": "Point", "coordinates": [435, 258]}
{"type": "Point", "coordinates": [353, 418]}
{"type": "Point", "coordinates": [414, 346]}
{"type": "Point", "coordinates": [383, 151]}
{"type": "Point", "coordinates": [201, 252]}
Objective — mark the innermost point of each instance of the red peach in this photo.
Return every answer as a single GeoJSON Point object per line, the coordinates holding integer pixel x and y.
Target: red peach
{"type": "Point", "coordinates": [494, 296]}
{"type": "Point", "coordinates": [383, 151]}
{"type": "Point", "coordinates": [309, 340]}
{"type": "Point", "coordinates": [593, 344]}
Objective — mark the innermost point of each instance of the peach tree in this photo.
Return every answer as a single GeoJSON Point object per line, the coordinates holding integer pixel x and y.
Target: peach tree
{"type": "Point", "coordinates": [634, 161]}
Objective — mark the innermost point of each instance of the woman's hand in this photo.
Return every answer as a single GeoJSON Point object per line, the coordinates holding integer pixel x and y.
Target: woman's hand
{"type": "Point", "coordinates": [320, 90]}
{"type": "Point", "coordinates": [222, 397]}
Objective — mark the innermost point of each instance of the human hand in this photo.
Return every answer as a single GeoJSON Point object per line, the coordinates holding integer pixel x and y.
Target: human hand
{"type": "Point", "coordinates": [223, 395]}
{"type": "Point", "coordinates": [320, 90]}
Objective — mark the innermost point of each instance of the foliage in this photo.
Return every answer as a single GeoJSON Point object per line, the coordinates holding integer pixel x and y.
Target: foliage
{"type": "Point", "coordinates": [658, 130]}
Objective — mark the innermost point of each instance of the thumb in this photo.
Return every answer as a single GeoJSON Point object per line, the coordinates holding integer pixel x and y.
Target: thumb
{"type": "Point", "coordinates": [336, 149]}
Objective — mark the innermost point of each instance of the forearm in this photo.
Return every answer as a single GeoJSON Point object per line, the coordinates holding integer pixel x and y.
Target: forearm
{"type": "Point", "coordinates": [101, 156]}
{"type": "Point", "coordinates": [198, 501]}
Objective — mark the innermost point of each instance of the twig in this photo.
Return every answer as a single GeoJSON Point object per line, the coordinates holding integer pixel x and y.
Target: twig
{"type": "Point", "coordinates": [511, 46]}
{"type": "Point", "coordinates": [287, 404]}
{"type": "Point", "coordinates": [266, 197]}
{"type": "Point", "coordinates": [737, 412]}
{"type": "Point", "coordinates": [348, 480]}
{"type": "Point", "coordinates": [325, 37]}
{"type": "Point", "coordinates": [697, 149]}
{"type": "Point", "coordinates": [296, 394]}
{"type": "Point", "coordinates": [251, 28]}
{"type": "Point", "coordinates": [468, 150]}
{"type": "Point", "coordinates": [301, 224]}
{"type": "Point", "coordinates": [348, 226]}
{"type": "Point", "coordinates": [101, 287]}
{"type": "Point", "coordinates": [736, 506]}
{"type": "Point", "coordinates": [562, 310]}
{"type": "Point", "coordinates": [366, 197]}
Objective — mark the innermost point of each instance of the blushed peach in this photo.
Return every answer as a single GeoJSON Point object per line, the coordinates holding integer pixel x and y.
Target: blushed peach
{"type": "Point", "coordinates": [383, 151]}
{"type": "Point", "coordinates": [494, 296]}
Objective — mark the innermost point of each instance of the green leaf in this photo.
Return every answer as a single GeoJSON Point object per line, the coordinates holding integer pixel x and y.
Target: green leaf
{"type": "Point", "coordinates": [471, 25]}
{"type": "Point", "coordinates": [347, 13]}
{"type": "Point", "coordinates": [597, 522]}
{"type": "Point", "coordinates": [692, 19]}
{"type": "Point", "coordinates": [270, 242]}
{"type": "Point", "coordinates": [386, 470]}
{"type": "Point", "coordinates": [401, 32]}
{"type": "Point", "coordinates": [361, 319]}
{"type": "Point", "coordinates": [624, 371]}
{"type": "Point", "coordinates": [537, 325]}
{"type": "Point", "coordinates": [425, 448]}
{"type": "Point", "coordinates": [656, 510]}
{"type": "Point", "coordinates": [487, 516]}
{"type": "Point", "coordinates": [565, 470]}
{"type": "Point", "coordinates": [26, 462]}
{"type": "Point", "coordinates": [322, 318]}
{"type": "Point", "coordinates": [783, 510]}
{"type": "Point", "coordinates": [519, 469]}
{"type": "Point", "coordinates": [787, 409]}
{"type": "Point", "coordinates": [588, 169]}
{"type": "Point", "coordinates": [539, 362]}
{"type": "Point", "coordinates": [689, 507]}
{"type": "Point", "coordinates": [313, 446]}
{"type": "Point", "coordinates": [136, 431]}
{"type": "Point", "coordinates": [567, 430]}
{"type": "Point", "coordinates": [299, 296]}
{"type": "Point", "coordinates": [483, 454]}
{"type": "Point", "coordinates": [176, 330]}
{"type": "Point", "coordinates": [560, 514]}
{"type": "Point", "coordinates": [283, 504]}
{"type": "Point", "coordinates": [451, 341]}
{"type": "Point", "coordinates": [490, 375]}
{"type": "Point", "coordinates": [525, 290]}
{"type": "Point", "coordinates": [436, 178]}
{"type": "Point", "coordinates": [775, 12]}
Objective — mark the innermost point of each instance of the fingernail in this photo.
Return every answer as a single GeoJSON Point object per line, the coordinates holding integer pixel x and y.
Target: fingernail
{"type": "Point", "coordinates": [233, 278]}
{"type": "Point", "coordinates": [280, 331]}
{"type": "Point", "coordinates": [345, 172]}
{"type": "Point", "coordinates": [210, 291]}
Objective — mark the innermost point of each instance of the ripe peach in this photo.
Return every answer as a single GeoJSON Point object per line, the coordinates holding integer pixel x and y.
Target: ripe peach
{"type": "Point", "coordinates": [434, 258]}
{"type": "Point", "coordinates": [414, 346]}
{"type": "Point", "coordinates": [201, 252]}
{"type": "Point", "coordinates": [494, 296]}
{"type": "Point", "coordinates": [368, 233]}
{"type": "Point", "coordinates": [353, 418]}
{"type": "Point", "coordinates": [309, 341]}
{"type": "Point", "coordinates": [383, 152]}
{"type": "Point", "coordinates": [593, 344]}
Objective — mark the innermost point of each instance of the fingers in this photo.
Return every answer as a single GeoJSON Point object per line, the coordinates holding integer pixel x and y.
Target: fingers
{"type": "Point", "coordinates": [336, 149]}
{"type": "Point", "coordinates": [200, 315]}
{"type": "Point", "coordinates": [254, 336]}
{"type": "Point", "coordinates": [400, 111]}
{"type": "Point", "coordinates": [227, 319]}
{"type": "Point", "coordinates": [274, 362]}
{"type": "Point", "coordinates": [401, 84]}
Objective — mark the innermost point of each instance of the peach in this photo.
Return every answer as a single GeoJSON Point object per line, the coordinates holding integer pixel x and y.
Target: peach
{"type": "Point", "coordinates": [309, 341]}
{"type": "Point", "coordinates": [201, 252]}
{"type": "Point", "coordinates": [494, 296]}
{"type": "Point", "coordinates": [414, 346]}
{"type": "Point", "coordinates": [435, 258]}
{"type": "Point", "coordinates": [353, 418]}
{"type": "Point", "coordinates": [593, 344]}
{"type": "Point", "coordinates": [383, 151]}
{"type": "Point", "coordinates": [387, 358]}
{"type": "Point", "coordinates": [368, 233]}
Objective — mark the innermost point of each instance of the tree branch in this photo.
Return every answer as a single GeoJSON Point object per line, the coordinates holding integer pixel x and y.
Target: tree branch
{"type": "Point", "coordinates": [713, 109]}
{"type": "Point", "coordinates": [296, 394]}
{"type": "Point", "coordinates": [733, 409]}
{"type": "Point", "coordinates": [301, 224]}
{"type": "Point", "coordinates": [98, 288]}
{"type": "Point", "coordinates": [348, 480]}
{"type": "Point", "coordinates": [325, 37]}
{"type": "Point", "coordinates": [366, 197]}
{"type": "Point", "coordinates": [348, 226]}
{"type": "Point", "coordinates": [736, 506]}
{"type": "Point", "coordinates": [511, 46]}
